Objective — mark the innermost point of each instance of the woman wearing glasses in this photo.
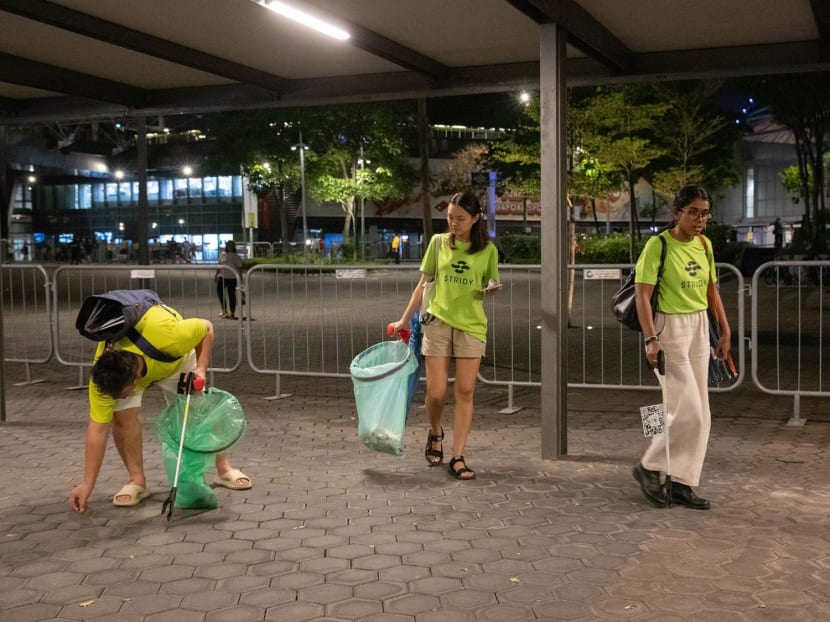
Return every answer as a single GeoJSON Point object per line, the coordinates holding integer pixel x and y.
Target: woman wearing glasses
{"type": "Point", "coordinates": [688, 287]}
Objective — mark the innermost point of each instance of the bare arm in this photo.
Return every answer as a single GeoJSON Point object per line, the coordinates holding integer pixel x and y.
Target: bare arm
{"type": "Point", "coordinates": [96, 445]}
{"type": "Point", "coordinates": [204, 350]}
{"type": "Point", "coordinates": [642, 296]}
{"type": "Point", "coordinates": [414, 303]}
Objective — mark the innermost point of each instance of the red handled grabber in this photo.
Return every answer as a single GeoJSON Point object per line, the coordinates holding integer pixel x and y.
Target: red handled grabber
{"type": "Point", "coordinates": [187, 384]}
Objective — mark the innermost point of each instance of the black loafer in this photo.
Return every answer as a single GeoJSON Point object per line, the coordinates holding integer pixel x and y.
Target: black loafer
{"type": "Point", "coordinates": [650, 485]}
{"type": "Point", "coordinates": [681, 494]}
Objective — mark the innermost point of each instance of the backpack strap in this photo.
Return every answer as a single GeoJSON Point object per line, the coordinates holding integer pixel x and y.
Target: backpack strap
{"type": "Point", "coordinates": [663, 252]}
{"type": "Point", "coordinates": [148, 348]}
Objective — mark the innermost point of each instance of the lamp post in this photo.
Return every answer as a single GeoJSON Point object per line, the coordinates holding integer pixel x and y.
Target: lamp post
{"type": "Point", "coordinates": [362, 163]}
{"type": "Point", "coordinates": [301, 146]}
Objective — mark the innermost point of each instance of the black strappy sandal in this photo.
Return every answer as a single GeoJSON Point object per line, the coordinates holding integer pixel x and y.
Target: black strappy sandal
{"type": "Point", "coordinates": [437, 453]}
{"type": "Point", "coordinates": [459, 473]}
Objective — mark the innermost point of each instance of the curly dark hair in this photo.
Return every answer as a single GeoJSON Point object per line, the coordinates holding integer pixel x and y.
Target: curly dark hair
{"type": "Point", "coordinates": [114, 371]}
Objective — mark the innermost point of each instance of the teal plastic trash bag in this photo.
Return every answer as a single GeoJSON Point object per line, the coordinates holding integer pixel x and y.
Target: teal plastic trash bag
{"type": "Point", "coordinates": [381, 376]}
{"type": "Point", "coordinates": [215, 423]}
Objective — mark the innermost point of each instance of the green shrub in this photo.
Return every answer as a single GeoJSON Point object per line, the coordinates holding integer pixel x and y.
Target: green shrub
{"type": "Point", "coordinates": [602, 248]}
{"type": "Point", "coordinates": [520, 248]}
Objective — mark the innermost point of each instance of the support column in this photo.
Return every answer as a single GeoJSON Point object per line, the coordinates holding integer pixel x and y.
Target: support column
{"type": "Point", "coordinates": [553, 101]}
{"type": "Point", "coordinates": [142, 220]}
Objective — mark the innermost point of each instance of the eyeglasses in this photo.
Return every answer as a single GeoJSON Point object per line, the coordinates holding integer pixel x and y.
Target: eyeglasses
{"type": "Point", "coordinates": [698, 215]}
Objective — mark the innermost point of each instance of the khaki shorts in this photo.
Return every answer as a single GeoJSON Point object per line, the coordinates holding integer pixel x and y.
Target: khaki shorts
{"type": "Point", "coordinates": [443, 340]}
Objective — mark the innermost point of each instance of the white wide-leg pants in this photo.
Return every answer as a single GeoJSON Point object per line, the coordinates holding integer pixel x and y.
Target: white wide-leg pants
{"type": "Point", "coordinates": [685, 341]}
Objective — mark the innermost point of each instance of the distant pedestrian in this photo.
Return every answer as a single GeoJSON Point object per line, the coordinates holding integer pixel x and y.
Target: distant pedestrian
{"type": "Point", "coordinates": [778, 234]}
{"type": "Point", "coordinates": [396, 248]}
{"type": "Point", "coordinates": [226, 281]}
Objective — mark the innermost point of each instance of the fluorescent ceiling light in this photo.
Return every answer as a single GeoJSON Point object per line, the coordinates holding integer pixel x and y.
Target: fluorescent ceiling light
{"type": "Point", "coordinates": [307, 20]}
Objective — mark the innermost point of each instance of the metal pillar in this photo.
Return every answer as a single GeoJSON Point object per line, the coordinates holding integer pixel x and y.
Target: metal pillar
{"type": "Point", "coordinates": [553, 98]}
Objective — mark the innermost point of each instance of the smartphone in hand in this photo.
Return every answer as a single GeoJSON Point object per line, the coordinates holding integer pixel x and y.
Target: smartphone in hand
{"type": "Point", "coordinates": [492, 287]}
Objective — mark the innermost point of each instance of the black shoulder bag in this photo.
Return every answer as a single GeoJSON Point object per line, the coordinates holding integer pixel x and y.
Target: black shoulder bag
{"type": "Point", "coordinates": [624, 303]}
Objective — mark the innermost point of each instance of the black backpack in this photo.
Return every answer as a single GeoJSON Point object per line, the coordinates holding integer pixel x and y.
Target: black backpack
{"type": "Point", "coordinates": [113, 316]}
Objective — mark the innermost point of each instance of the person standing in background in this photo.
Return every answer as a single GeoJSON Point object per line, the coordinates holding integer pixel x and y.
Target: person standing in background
{"type": "Point", "coordinates": [396, 247]}
{"type": "Point", "coordinates": [226, 280]}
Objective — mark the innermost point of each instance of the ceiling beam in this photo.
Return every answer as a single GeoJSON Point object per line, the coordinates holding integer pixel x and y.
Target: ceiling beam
{"type": "Point", "coordinates": [799, 56]}
{"type": "Point", "coordinates": [17, 70]}
{"type": "Point", "coordinates": [585, 71]}
{"type": "Point", "coordinates": [115, 34]}
{"type": "Point", "coordinates": [394, 52]}
{"type": "Point", "coordinates": [584, 32]}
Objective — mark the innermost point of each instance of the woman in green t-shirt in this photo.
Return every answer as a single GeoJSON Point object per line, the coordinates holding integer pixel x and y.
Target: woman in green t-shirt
{"type": "Point", "coordinates": [463, 265]}
{"type": "Point", "coordinates": [680, 328]}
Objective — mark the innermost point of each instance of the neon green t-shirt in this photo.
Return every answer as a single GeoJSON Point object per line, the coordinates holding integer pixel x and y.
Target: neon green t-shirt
{"type": "Point", "coordinates": [167, 331]}
{"type": "Point", "coordinates": [457, 300]}
{"type": "Point", "coordinates": [686, 273]}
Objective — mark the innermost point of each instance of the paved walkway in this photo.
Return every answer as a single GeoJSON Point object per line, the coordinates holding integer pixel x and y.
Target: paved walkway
{"type": "Point", "coordinates": [332, 531]}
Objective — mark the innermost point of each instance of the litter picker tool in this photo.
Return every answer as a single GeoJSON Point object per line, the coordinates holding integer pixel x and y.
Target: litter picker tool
{"type": "Point", "coordinates": [188, 383]}
{"type": "Point", "coordinates": [654, 419]}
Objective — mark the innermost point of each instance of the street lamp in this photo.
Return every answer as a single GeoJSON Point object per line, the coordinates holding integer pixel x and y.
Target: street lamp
{"type": "Point", "coordinates": [301, 146]}
{"type": "Point", "coordinates": [362, 163]}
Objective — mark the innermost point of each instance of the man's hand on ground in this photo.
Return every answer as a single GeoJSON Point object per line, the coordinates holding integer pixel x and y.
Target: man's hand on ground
{"type": "Point", "coordinates": [78, 497]}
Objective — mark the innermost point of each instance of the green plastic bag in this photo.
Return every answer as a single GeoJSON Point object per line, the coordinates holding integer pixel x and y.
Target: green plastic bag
{"type": "Point", "coordinates": [215, 423]}
{"type": "Point", "coordinates": [381, 375]}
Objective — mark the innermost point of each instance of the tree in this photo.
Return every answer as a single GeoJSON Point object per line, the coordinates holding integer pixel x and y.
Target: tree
{"type": "Point", "coordinates": [259, 143]}
{"type": "Point", "coordinates": [619, 133]}
{"type": "Point", "coordinates": [802, 103]}
{"type": "Point", "coordinates": [697, 137]}
{"type": "Point", "coordinates": [338, 137]}
{"type": "Point", "coordinates": [518, 157]}
{"type": "Point", "coordinates": [588, 177]}
{"type": "Point", "coordinates": [342, 136]}
{"type": "Point", "coordinates": [278, 180]}
{"type": "Point", "coordinates": [455, 176]}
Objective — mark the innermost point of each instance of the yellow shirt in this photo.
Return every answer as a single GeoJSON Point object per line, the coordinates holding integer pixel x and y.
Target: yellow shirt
{"type": "Point", "coordinates": [167, 331]}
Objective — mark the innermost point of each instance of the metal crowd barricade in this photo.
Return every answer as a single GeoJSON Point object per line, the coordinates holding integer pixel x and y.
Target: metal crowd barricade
{"type": "Point", "coordinates": [602, 354]}
{"type": "Point", "coordinates": [26, 316]}
{"type": "Point", "coordinates": [790, 322]}
{"type": "Point", "coordinates": [190, 289]}
{"type": "Point", "coordinates": [312, 320]}
{"type": "Point", "coordinates": [263, 249]}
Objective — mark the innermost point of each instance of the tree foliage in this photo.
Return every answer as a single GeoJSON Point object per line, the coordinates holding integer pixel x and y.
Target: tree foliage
{"type": "Point", "coordinates": [697, 136]}
{"type": "Point", "coordinates": [802, 103]}
{"type": "Point", "coordinates": [354, 151]}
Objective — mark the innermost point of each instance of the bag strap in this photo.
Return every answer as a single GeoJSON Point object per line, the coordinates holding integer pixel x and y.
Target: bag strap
{"type": "Point", "coordinates": [435, 255]}
{"type": "Point", "coordinates": [663, 252]}
{"type": "Point", "coordinates": [705, 246]}
{"type": "Point", "coordinates": [148, 348]}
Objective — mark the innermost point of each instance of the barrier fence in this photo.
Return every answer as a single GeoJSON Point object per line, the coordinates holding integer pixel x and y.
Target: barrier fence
{"type": "Point", "coordinates": [27, 316]}
{"type": "Point", "coordinates": [790, 322]}
{"type": "Point", "coordinates": [312, 320]}
{"type": "Point", "coordinates": [190, 289]}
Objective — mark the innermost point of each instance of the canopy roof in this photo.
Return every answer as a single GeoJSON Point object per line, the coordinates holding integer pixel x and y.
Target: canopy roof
{"type": "Point", "coordinates": [86, 59]}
